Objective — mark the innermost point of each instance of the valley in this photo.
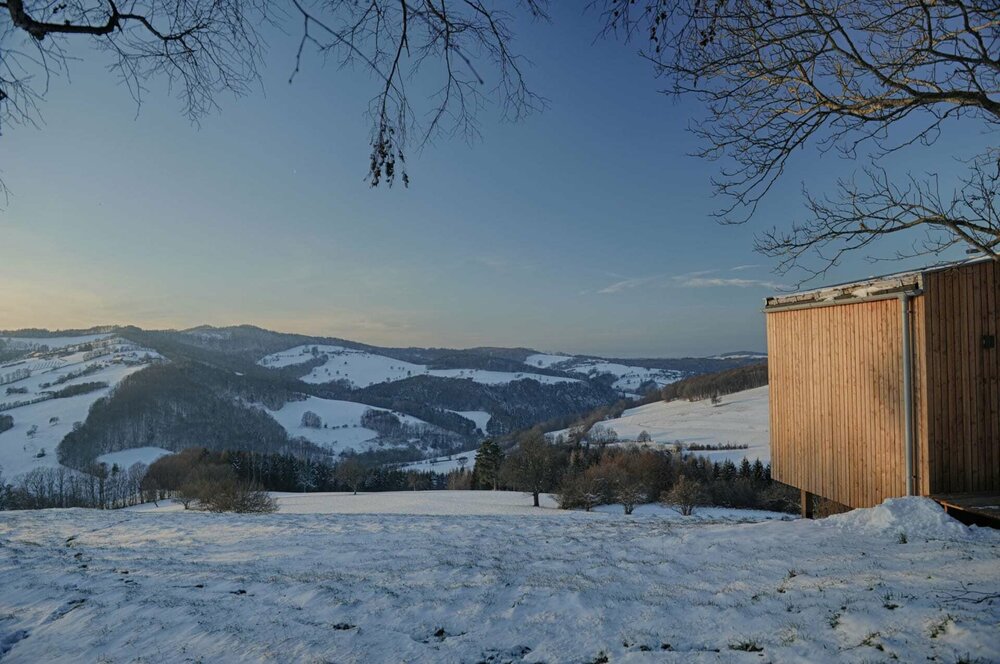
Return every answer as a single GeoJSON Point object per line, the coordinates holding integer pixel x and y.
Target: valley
{"type": "Point", "coordinates": [136, 395]}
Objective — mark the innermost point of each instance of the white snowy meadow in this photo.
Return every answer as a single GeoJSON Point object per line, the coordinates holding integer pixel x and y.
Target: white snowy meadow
{"type": "Point", "coordinates": [482, 577]}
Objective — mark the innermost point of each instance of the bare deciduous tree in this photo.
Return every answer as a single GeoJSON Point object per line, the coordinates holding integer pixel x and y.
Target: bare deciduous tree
{"type": "Point", "coordinates": [206, 47]}
{"type": "Point", "coordinates": [351, 473]}
{"type": "Point", "coordinates": [864, 77]}
{"type": "Point", "coordinates": [532, 467]}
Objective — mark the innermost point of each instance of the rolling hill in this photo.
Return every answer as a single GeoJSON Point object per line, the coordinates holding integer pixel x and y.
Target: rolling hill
{"type": "Point", "coordinates": [123, 394]}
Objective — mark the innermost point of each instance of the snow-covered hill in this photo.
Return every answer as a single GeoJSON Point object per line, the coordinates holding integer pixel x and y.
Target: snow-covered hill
{"type": "Point", "coordinates": [30, 391]}
{"type": "Point", "coordinates": [361, 369]}
{"type": "Point", "coordinates": [509, 584]}
{"type": "Point", "coordinates": [496, 390]}
{"type": "Point", "coordinates": [626, 378]}
{"type": "Point", "coordinates": [740, 419]}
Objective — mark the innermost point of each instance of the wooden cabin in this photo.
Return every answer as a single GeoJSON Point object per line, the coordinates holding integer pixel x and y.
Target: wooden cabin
{"type": "Point", "coordinates": [889, 386]}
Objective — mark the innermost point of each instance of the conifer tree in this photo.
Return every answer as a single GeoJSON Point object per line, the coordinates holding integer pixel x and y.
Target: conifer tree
{"type": "Point", "coordinates": [489, 457]}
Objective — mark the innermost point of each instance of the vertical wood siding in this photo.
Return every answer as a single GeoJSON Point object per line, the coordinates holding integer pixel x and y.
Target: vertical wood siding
{"type": "Point", "coordinates": [836, 380]}
{"type": "Point", "coordinates": [963, 378]}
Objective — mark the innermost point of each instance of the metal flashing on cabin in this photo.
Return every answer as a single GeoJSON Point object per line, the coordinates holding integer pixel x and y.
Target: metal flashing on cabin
{"type": "Point", "coordinates": [880, 287]}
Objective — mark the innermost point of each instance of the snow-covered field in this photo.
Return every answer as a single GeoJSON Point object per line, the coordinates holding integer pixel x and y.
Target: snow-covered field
{"type": "Point", "coordinates": [741, 418]}
{"type": "Point", "coordinates": [498, 586]}
{"type": "Point", "coordinates": [362, 369]}
{"type": "Point", "coordinates": [127, 458]}
{"type": "Point", "coordinates": [467, 503]}
{"type": "Point", "coordinates": [342, 428]}
{"type": "Point", "coordinates": [480, 417]}
{"type": "Point", "coordinates": [444, 464]}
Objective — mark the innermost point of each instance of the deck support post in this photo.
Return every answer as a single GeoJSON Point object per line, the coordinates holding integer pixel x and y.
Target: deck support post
{"type": "Point", "coordinates": [805, 500]}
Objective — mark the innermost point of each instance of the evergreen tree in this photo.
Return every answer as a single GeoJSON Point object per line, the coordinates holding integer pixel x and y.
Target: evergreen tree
{"type": "Point", "coordinates": [489, 458]}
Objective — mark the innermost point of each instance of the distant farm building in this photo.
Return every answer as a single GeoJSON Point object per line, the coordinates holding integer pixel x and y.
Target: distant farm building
{"type": "Point", "coordinates": [889, 387]}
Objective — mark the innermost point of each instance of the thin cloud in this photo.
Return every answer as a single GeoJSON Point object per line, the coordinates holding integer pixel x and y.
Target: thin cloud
{"type": "Point", "coordinates": [699, 273]}
{"type": "Point", "coordinates": [701, 282]}
{"type": "Point", "coordinates": [697, 279]}
{"type": "Point", "coordinates": [628, 284]}
{"type": "Point", "coordinates": [741, 268]}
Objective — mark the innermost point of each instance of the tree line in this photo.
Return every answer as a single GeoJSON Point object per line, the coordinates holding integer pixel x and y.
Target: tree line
{"type": "Point", "coordinates": [583, 475]}
{"type": "Point", "coordinates": [101, 486]}
{"type": "Point", "coordinates": [721, 383]}
{"type": "Point", "coordinates": [287, 473]}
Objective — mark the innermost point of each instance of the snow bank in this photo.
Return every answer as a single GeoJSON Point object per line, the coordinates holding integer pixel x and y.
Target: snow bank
{"type": "Point", "coordinates": [912, 517]}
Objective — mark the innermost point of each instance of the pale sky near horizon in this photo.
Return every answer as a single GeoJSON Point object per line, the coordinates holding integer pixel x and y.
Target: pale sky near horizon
{"type": "Point", "coordinates": [586, 228]}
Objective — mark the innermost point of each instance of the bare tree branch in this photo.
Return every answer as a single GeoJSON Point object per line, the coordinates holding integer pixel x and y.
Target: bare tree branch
{"type": "Point", "coordinates": [861, 77]}
{"type": "Point", "coordinates": [206, 47]}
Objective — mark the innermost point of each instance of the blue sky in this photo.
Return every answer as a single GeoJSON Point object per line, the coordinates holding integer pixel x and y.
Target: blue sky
{"type": "Point", "coordinates": [585, 228]}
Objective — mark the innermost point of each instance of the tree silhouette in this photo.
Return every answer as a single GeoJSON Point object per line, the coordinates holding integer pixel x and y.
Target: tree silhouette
{"type": "Point", "coordinates": [867, 78]}
{"type": "Point", "coordinates": [203, 48]}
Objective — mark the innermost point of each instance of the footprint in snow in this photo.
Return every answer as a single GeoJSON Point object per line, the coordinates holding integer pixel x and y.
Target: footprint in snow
{"type": "Point", "coordinates": [64, 609]}
{"type": "Point", "coordinates": [8, 641]}
{"type": "Point", "coordinates": [508, 656]}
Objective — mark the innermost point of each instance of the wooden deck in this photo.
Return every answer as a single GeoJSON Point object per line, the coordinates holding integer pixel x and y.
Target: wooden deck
{"type": "Point", "coordinates": [981, 509]}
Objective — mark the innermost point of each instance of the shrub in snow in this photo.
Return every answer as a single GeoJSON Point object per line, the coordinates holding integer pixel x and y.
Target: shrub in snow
{"type": "Point", "coordinates": [630, 495]}
{"type": "Point", "coordinates": [217, 489]}
{"type": "Point", "coordinates": [685, 496]}
{"type": "Point", "coordinates": [311, 420]}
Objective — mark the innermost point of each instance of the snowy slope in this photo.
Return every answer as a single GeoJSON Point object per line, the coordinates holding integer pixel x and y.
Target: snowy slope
{"type": "Point", "coordinates": [20, 450]}
{"type": "Point", "coordinates": [741, 418]}
{"type": "Point", "coordinates": [740, 355]}
{"type": "Point", "coordinates": [362, 369]}
{"type": "Point", "coordinates": [626, 378]}
{"type": "Point", "coordinates": [53, 343]}
{"type": "Point", "coordinates": [480, 417]}
{"type": "Point", "coordinates": [342, 420]}
{"type": "Point", "coordinates": [547, 360]}
{"type": "Point", "coordinates": [119, 586]}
